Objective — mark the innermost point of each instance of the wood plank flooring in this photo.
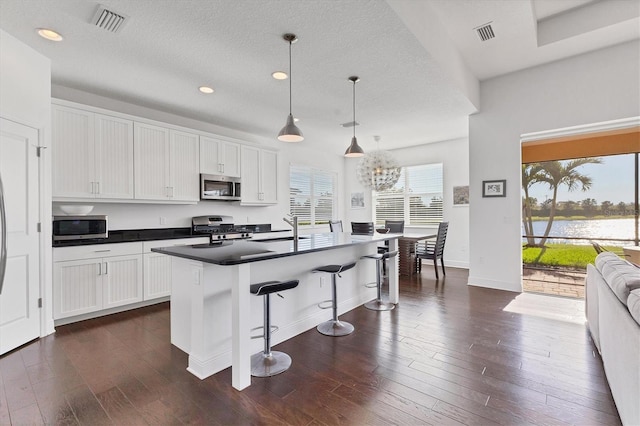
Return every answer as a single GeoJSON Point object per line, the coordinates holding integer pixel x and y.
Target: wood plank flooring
{"type": "Point", "coordinates": [447, 355]}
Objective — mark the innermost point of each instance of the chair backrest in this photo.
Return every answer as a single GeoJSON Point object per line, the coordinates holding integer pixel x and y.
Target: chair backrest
{"type": "Point", "coordinates": [441, 238]}
{"type": "Point", "coordinates": [394, 226]}
{"type": "Point", "coordinates": [597, 247]}
{"type": "Point", "coordinates": [364, 228]}
{"type": "Point", "coordinates": [335, 225]}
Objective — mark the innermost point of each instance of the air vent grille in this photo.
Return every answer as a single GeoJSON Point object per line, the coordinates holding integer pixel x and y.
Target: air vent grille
{"type": "Point", "coordinates": [350, 124]}
{"type": "Point", "coordinates": [485, 32]}
{"type": "Point", "coordinates": [108, 19]}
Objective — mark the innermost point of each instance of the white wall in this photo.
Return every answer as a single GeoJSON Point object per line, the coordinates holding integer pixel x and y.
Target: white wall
{"type": "Point", "coordinates": [594, 87]}
{"type": "Point", "coordinates": [25, 97]}
{"type": "Point", "coordinates": [139, 216]}
{"type": "Point", "coordinates": [454, 155]}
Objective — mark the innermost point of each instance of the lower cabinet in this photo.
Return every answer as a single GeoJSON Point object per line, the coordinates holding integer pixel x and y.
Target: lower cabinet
{"type": "Point", "coordinates": [91, 278]}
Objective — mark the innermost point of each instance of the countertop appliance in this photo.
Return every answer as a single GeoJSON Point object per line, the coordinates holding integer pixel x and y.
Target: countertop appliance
{"type": "Point", "coordinates": [220, 228]}
{"type": "Point", "coordinates": [224, 188]}
{"type": "Point", "coordinates": [66, 228]}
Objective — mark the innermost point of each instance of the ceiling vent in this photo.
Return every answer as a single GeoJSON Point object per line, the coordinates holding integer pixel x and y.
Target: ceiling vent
{"type": "Point", "coordinates": [108, 19]}
{"type": "Point", "coordinates": [350, 124]}
{"type": "Point", "coordinates": [485, 32]}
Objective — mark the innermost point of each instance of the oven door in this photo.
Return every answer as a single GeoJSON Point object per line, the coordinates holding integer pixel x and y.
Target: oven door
{"type": "Point", "coordinates": [66, 228]}
{"type": "Point", "coordinates": [219, 188]}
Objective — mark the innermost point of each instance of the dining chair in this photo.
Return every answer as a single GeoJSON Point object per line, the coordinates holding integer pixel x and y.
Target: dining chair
{"type": "Point", "coordinates": [394, 226]}
{"type": "Point", "coordinates": [362, 228]}
{"type": "Point", "coordinates": [335, 225]}
{"type": "Point", "coordinates": [430, 250]}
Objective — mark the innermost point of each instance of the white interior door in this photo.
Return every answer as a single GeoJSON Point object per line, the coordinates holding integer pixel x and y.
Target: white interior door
{"type": "Point", "coordinates": [19, 312]}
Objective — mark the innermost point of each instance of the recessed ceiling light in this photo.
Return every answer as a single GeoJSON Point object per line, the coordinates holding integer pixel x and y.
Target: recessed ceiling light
{"type": "Point", "coordinates": [49, 34]}
{"type": "Point", "coordinates": [205, 89]}
{"type": "Point", "coordinates": [280, 75]}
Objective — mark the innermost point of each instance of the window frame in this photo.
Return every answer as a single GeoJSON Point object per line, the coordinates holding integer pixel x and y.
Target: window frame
{"type": "Point", "coordinates": [313, 198]}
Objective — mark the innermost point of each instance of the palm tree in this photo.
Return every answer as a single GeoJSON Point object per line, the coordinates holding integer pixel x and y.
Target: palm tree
{"type": "Point", "coordinates": [531, 173]}
{"type": "Point", "coordinates": [557, 173]}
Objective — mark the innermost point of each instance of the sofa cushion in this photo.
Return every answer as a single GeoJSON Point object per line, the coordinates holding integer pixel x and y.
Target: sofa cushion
{"type": "Point", "coordinates": [633, 303]}
{"type": "Point", "coordinates": [619, 274]}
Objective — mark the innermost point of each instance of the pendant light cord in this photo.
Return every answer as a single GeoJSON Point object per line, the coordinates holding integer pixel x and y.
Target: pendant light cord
{"type": "Point", "coordinates": [354, 108]}
{"type": "Point", "coordinates": [290, 78]}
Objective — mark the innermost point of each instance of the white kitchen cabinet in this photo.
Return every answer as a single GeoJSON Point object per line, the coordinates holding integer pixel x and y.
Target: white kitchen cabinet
{"type": "Point", "coordinates": [92, 155]}
{"type": "Point", "coordinates": [259, 176]}
{"type": "Point", "coordinates": [166, 164]}
{"type": "Point", "coordinates": [91, 278]}
{"type": "Point", "coordinates": [219, 157]}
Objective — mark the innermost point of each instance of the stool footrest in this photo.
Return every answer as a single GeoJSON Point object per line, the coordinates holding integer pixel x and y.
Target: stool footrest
{"type": "Point", "coordinates": [322, 306]}
{"type": "Point", "coordinates": [274, 328]}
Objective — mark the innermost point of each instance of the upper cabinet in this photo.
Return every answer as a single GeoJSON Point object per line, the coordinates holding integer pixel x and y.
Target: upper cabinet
{"type": "Point", "coordinates": [259, 176]}
{"type": "Point", "coordinates": [166, 164]}
{"type": "Point", "coordinates": [219, 157]}
{"type": "Point", "coordinates": [92, 155]}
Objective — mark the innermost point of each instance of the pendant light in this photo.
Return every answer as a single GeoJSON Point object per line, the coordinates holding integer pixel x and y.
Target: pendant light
{"type": "Point", "coordinates": [354, 149]}
{"type": "Point", "coordinates": [378, 170]}
{"type": "Point", "coordinates": [290, 132]}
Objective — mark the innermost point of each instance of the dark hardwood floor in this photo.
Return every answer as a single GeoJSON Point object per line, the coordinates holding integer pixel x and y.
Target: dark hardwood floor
{"type": "Point", "coordinates": [448, 354]}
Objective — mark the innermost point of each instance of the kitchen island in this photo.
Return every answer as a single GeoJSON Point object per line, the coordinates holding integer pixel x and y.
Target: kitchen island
{"type": "Point", "coordinates": [213, 312]}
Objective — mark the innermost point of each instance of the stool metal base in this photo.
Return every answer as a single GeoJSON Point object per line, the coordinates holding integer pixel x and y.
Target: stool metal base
{"type": "Point", "coordinates": [266, 366]}
{"type": "Point", "coordinates": [379, 305]}
{"type": "Point", "coordinates": [335, 328]}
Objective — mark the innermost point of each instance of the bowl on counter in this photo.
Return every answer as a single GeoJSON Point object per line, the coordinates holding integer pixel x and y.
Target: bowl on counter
{"type": "Point", "coordinates": [382, 230]}
{"type": "Point", "coordinates": [76, 209]}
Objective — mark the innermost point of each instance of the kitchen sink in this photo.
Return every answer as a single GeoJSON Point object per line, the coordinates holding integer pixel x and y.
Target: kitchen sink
{"type": "Point", "coordinates": [271, 240]}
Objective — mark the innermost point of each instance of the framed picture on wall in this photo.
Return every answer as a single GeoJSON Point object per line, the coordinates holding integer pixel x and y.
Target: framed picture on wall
{"type": "Point", "coordinates": [461, 195]}
{"type": "Point", "coordinates": [494, 188]}
{"type": "Point", "coordinates": [357, 200]}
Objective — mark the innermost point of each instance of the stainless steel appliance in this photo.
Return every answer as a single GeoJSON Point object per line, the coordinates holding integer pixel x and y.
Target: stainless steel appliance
{"type": "Point", "coordinates": [220, 228]}
{"type": "Point", "coordinates": [214, 187]}
{"type": "Point", "coordinates": [67, 228]}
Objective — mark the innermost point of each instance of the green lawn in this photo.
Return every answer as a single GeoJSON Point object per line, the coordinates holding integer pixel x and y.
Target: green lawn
{"type": "Point", "coordinates": [562, 255]}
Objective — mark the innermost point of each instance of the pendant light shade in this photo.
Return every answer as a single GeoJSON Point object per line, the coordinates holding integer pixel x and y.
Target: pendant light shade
{"type": "Point", "coordinates": [354, 149]}
{"type": "Point", "coordinates": [378, 170]}
{"type": "Point", "coordinates": [290, 132]}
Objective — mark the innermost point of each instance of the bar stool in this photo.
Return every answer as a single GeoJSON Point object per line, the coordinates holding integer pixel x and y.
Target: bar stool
{"type": "Point", "coordinates": [269, 363]}
{"type": "Point", "coordinates": [334, 327]}
{"type": "Point", "coordinates": [377, 304]}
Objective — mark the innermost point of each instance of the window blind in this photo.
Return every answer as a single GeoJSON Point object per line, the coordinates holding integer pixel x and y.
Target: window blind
{"type": "Point", "coordinates": [417, 197]}
{"type": "Point", "coordinates": [312, 195]}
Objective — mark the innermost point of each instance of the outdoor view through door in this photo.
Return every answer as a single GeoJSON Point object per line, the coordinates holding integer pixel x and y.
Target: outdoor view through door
{"type": "Point", "coordinates": [571, 209]}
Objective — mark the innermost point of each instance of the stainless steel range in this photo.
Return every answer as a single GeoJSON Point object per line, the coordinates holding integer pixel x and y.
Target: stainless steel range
{"type": "Point", "coordinates": [220, 228]}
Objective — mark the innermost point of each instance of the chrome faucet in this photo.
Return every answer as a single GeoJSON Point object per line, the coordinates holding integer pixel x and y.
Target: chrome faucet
{"type": "Point", "coordinates": [294, 224]}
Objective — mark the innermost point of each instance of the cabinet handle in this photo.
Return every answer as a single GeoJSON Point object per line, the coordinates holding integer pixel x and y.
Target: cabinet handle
{"type": "Point", "coordinates": [223, 168]}
{"type": "Point", "coordinates": [106, 268]}
{"type": "Point", "coordinates": [97, 187]}
{"type": "Point", "coordinates": [172, 192]}
{"type": "Point", "coordinates": [100, 268]}
{"type": "Point", "coordinates": [93, 188]}
{"type": "Point", "coordinates": [219, 167]}
{"type": "Point", "coordinates": [101, 251]}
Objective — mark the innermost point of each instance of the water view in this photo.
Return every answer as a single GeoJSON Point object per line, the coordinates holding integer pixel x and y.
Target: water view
{"type": "Point", "coordinates": [588, 229]}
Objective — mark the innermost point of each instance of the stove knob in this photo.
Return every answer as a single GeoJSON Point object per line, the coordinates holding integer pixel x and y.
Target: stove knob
{"type": "Point", "coordinates": [224, 237]}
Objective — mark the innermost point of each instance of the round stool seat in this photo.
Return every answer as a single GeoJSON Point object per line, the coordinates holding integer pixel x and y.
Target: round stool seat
{"type": "Point", "coordinates": [269, 287]}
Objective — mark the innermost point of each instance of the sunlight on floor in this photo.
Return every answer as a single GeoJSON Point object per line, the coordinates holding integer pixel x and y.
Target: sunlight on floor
{"type": "Point", "coordinates": [552, 307]}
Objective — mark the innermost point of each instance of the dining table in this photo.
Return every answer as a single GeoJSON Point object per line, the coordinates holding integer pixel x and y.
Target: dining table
{"type": "Point", "coordinates": [632, 254]}
{"type": "Point", "coordinates": [407, 265]}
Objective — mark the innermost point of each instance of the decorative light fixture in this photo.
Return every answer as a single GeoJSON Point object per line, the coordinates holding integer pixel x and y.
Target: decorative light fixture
{"type": "Point", "coordinates": [378, 170]}
{"type": "Point", "coordinates": [354, 149]}
{"type": "Point", "coordinates": [290, 132]}
{"type": "Point", "coordinates": [49, 34]}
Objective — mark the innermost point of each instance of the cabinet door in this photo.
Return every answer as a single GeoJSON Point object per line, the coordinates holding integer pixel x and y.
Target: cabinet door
{"type": "Point", "coordinates": [122, 280]}
{"type": "Point", "coordinates": [250, 175]}
{"type": "Point", "coordinates": [77, 287]}
{"type": "Point", "coordinates": [231, 159]}
{"type": "Point", "coordinates": [210, 161]}
{"type": "Point", "coordinates": [269, 177]}
{"type": "Point", "coordinates": [157, 275]}
{"type": "Point", "coordinates": [114, 157]}
{"type": "Point", "coordinates": [184, 177]}
{"type": "Point", "coordinates": [151, 162]}
{"type": "Point", "coordinates": [72, 152]}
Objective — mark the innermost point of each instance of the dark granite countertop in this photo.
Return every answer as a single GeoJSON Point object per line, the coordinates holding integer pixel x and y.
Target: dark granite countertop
{"type": "Point", "coordinates": [134, 235]}
{"type": "Point", "coordinates": [246, 251]}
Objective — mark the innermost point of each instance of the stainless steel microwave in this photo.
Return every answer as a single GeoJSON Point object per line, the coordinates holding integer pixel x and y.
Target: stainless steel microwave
{"type": "Point", "coordinates": [67, 228]}
{"type": "Point", "coordinates": [214, 187]}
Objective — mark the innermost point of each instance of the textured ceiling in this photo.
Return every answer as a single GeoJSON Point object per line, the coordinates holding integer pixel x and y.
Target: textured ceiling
{"type": "Point", "coordinates": [168, 48]}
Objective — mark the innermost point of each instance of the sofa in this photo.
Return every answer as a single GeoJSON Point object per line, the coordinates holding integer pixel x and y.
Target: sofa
{"type": "Point", "coordinates": [613, 317]}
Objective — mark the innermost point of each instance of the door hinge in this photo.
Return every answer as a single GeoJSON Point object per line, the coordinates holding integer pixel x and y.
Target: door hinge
{"type": "Point", "coordinates": [40, 302]}
{"type": "Point", "coordinates": [39, 150]}
{"type": "Point", "coordinates": [39, 227]}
